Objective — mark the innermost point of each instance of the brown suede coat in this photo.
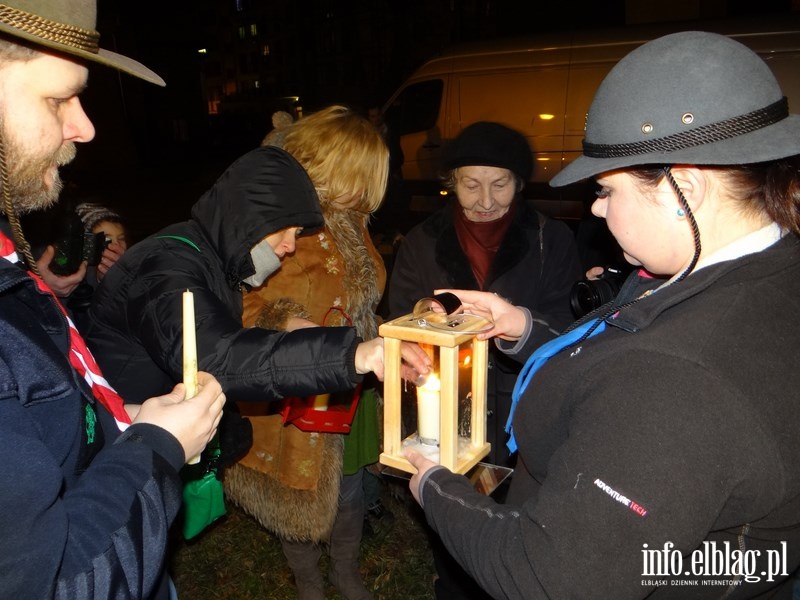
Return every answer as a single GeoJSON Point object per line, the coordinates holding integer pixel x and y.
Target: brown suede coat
{"type": "Point", "coordinates": [324, 272]}
{"type": "Point", "coordinates": [290, 479]}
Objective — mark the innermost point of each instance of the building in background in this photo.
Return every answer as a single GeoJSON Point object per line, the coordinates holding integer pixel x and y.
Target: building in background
{"type": "Point", "coordinates": [229, 64]}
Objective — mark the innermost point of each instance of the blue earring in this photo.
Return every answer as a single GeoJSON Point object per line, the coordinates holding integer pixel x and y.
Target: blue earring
{"type": "Point", "coordinates": [681, 212]}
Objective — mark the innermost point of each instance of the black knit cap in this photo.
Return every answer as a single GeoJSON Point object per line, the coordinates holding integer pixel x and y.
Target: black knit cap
{"type": "Point", "coordinates": [490, 145]}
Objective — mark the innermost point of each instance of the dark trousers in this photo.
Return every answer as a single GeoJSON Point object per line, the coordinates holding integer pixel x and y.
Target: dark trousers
{"type": "Point", "coordinates": [453, 582]}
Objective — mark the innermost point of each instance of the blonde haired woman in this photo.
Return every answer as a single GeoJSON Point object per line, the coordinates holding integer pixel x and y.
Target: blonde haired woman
{"type": "Point", "coordinates": [335, 277]}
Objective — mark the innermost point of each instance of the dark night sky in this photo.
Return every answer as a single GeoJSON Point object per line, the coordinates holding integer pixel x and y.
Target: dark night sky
{"type": "Point", "coordinates": [166, 36]}
{"type": "Point", "coordinates": [134, 163]}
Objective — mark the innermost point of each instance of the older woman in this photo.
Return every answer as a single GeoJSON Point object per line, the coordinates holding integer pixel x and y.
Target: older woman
{"type": "Point", "coordinates": [658, 444]}
{"type": "Point", "coordinates": [488, 237]}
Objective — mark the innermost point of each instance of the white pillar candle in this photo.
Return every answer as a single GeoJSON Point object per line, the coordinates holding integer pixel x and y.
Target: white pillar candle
{"type": "Point", "coordinates": [428, 411]}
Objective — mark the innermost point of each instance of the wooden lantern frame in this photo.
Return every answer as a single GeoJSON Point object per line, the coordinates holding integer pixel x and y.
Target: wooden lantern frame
{"type": "Point", "coordinates": [459, 329]}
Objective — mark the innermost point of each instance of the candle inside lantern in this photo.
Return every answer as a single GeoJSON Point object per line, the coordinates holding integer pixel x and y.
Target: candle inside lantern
{"type": "Point", "coordinates": [189, 352]}
{"type": "Point", "coordinates": [428, 411]}
{"type": "Point", "coordinates": [321, 401]}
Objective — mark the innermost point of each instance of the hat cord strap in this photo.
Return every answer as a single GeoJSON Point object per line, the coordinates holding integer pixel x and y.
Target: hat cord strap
{"type": "Point", "coordinates": [705, 134]}
{"type": "Point", "coordinates": [11, 212]}
{"type": "Point", "coordinates": [692, 223]}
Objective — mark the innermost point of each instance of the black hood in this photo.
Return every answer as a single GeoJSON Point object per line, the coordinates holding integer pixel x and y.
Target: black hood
{"type": "Point", "coordinates": [264, 191]}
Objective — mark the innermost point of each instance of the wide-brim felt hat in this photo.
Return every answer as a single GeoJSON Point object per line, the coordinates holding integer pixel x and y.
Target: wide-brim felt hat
{"type": "Point", "coordinates": [692, 98]}
{"type": "Point", "coordinates": [68, 27]}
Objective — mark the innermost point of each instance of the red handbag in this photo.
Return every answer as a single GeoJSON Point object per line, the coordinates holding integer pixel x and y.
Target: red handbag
{"type": "Point", "coordinates": [328, 413]}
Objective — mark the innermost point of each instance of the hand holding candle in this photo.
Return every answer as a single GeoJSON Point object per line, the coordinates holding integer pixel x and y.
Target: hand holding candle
{"type": "Point", "coordinates": [189, 352]}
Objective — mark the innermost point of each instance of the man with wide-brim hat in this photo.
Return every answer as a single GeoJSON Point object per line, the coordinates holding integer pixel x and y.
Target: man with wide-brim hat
{"type": "Point", "coordinates": [88, 487]}
{"type": "Point", "coordinates": [65, 29]}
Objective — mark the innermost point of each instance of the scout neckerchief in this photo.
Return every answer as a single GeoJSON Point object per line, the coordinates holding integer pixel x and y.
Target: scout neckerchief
{"type": "Point", "coordinates": [79, 356]}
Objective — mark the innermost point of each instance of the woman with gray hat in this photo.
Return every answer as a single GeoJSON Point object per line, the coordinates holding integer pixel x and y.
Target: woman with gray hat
{"type": "Point", "coordinates": [658, 437]}
{"type": "Point", "coordinates": [488, 237]}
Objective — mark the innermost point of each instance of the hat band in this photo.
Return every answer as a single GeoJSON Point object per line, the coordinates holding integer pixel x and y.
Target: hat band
{"type": "Point", "coordinates": [707, 134]}
{"type": "Point", "coordinates": [52, 31]}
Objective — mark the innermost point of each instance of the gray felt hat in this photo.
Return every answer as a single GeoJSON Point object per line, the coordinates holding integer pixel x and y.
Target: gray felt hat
{"type": "Point", "coordinates": [686, 98]}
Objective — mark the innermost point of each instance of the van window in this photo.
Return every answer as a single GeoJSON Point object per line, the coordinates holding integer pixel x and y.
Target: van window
{"type": "Point", "coordinates": [583, 83]}
{"type": "Point", "coordinates": [416, 108]}
{"type": "Point", "coordinates": [530, 101]}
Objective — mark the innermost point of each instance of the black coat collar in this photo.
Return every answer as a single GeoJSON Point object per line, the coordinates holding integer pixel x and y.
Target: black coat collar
{"type": "Point", "coordinates": [752, 267]}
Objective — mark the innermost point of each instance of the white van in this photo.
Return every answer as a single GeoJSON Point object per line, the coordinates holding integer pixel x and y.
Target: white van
{"type": "Point", "coordinates": [542, 86]}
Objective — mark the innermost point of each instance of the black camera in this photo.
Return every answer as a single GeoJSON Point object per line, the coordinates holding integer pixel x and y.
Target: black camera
{"type": "Point", "coordinates": [590, 294]}
{"type": "Point", "coordinates": [75, 245]}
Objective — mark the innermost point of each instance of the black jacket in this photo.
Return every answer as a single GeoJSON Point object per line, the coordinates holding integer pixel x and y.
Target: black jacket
{"type": "Point", "coordinates": [678, 424]}
{"type": "Point", "coordinates": [535, 267]}
{"type": "Point", "coordinates": [135, 328]}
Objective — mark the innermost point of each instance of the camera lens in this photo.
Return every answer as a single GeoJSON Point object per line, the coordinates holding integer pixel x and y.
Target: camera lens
{"type": "Point", "coordinates": [582, 298]}
{"type": "Point", "coordinates": [589, 295]}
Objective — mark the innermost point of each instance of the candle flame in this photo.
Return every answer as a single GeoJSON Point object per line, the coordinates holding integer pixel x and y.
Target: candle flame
{"type": "Point", "coordinates": [432, 383]}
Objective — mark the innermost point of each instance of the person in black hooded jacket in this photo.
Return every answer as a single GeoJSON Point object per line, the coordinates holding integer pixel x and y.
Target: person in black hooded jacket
{"type": "Point", "coordinates": [135, 324]}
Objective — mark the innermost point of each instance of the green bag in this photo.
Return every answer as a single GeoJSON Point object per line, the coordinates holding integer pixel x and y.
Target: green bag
{"type": "Point", "coordinates": [362, 444]}
{"type": "Point", "coordinates": [203, 497]}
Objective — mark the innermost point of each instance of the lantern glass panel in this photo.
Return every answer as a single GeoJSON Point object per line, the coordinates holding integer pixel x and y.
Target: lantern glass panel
{"type": "Point", "coordinates": [465, 389]}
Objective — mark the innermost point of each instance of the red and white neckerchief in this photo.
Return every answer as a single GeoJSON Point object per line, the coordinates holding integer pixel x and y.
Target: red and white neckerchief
{"type": "Point", "coordinates": [80, 357]}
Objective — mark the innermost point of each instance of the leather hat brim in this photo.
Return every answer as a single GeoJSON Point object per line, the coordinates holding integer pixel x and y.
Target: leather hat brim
{"type": "Point", "coordinates": [103, 57]}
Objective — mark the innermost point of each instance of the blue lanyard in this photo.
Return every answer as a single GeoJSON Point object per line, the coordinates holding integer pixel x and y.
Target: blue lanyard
{"type": "Point", "coordinates": [537, 360]}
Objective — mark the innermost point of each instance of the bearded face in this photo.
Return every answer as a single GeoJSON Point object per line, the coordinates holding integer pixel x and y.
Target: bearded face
{"type": "Point", "coordinates": [41, 119]}
{"type": "Point", "coordinates": [33, 179]}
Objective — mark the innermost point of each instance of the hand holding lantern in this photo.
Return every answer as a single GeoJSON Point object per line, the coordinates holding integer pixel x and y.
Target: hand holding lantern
{"type": "Point", "coordinates": [450, 335]}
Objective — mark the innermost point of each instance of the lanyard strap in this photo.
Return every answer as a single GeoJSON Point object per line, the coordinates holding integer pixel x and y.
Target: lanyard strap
{"type": "Point", "coordinates": [537, 360]}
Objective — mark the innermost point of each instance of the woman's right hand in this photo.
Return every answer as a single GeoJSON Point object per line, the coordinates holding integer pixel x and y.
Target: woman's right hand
{"type": "Point", "coordinates": [509, 321]}
{"type": "Point", "coordinates": [62, 285]}
{"type": "Point", "coordinates": [193, 421]}
{"type": "Point", "coordinates": [370, 358]}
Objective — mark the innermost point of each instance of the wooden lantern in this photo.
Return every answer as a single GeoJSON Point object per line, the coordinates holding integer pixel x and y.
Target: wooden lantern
{"type": "Point", "coordinates": [448, 334]}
